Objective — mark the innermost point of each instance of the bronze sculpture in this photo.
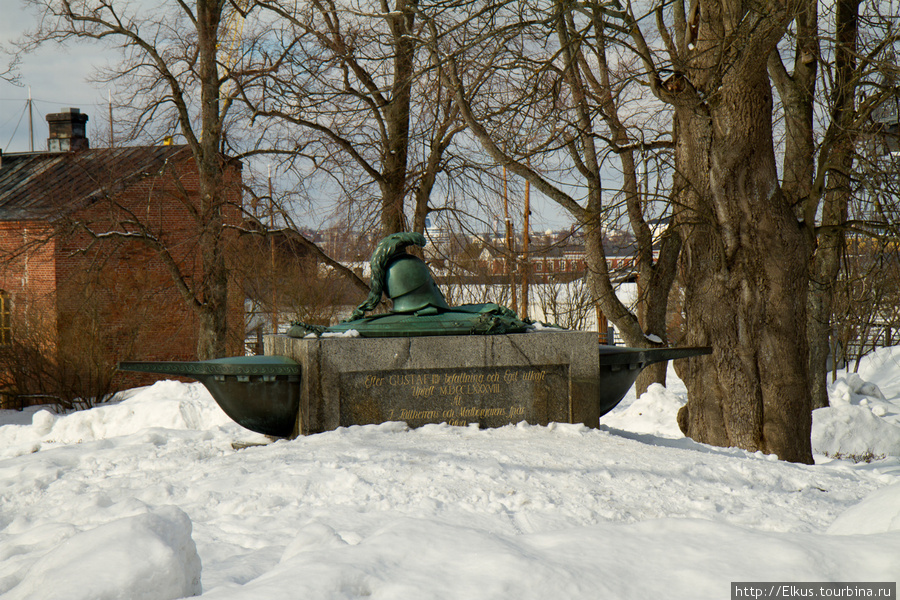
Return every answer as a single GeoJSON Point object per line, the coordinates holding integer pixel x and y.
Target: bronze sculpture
{"type": "Point", "coordinates": [419, 307]}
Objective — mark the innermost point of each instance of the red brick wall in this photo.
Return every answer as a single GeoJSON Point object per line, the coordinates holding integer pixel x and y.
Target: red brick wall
{"type": "Point", "coordinates": [122, 285]}
{"type": "Point", "coordinates": [28, 272]}
{"type": "Point", "coordinates": [137, 277]}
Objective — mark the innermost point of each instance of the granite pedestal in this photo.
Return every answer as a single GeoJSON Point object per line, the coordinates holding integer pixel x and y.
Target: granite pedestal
{"type": "Point", "coordinates": [492, 380]}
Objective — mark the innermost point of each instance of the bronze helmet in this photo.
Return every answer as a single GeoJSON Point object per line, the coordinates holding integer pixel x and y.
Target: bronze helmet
{"type": "Point", "coordinates": [409, 284]}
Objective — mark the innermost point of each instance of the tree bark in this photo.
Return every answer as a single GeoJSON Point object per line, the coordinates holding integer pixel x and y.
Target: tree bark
{"type": "Point", "coordinates": [825, 266]}
{"type": "Point", "coordinates": [825, 262]}
{"type": "Point", "coordinates": [744, 259]}
{"type": "Point", "coordinates": [213, 289]}
{"type": "Point", "coordinates": [396, 147]}
{"type": "Point", "coordinates": [819, 197]}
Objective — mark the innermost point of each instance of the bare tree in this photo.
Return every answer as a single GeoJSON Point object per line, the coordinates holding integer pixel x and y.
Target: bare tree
{"type": "Point", "coordinates": [563, 302]}
{"type": "Point", "coordinates": [171, 66]}
{"type": "Point", "coordinates": [837, 58]}
{"type": "Point", "coordinates": [345, 90]}
{"type": "Point", "coordinates": [866, 299]}
{"type": "Point", "coordinates": [550, 109]}
{"type": "Point", "coordinates": [744, 257]}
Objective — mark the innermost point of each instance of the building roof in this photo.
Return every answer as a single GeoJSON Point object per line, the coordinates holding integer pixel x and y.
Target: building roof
{"type": "Point", "coordinates": [42, 185]}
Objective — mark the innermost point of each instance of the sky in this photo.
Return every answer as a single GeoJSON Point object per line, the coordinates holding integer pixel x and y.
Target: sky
{"type": "Point", "coordinates": [58, 78]}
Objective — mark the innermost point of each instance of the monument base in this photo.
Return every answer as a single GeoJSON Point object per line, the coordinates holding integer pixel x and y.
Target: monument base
{"type": "Point", "coordinates": [492, 380]}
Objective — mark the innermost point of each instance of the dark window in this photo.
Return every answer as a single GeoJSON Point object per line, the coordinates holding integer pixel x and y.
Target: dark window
{"type": "Point", "coordinates": [5, 319]}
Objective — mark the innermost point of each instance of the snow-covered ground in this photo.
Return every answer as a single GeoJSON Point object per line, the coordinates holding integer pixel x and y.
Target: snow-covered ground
{"type": "Point", "coordinates": [147, 499]}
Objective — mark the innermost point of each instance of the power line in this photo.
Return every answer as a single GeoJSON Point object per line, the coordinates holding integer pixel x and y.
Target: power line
{"type": "Point", "coordinates": [57, 101]}
{"type": "Point", "coordinates": [17, 127]}
{"type": "Point", "coordinates": [28, 103]}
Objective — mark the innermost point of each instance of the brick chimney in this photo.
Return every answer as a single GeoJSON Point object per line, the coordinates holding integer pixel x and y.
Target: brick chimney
{"type": "Point", "coordinates": [67, 131]}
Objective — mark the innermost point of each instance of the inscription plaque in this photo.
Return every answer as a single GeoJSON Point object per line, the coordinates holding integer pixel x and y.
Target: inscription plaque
{"type": "Point", "coordinates": [492, 380]}
{"type": "Point", "coordinates": [490, 396]}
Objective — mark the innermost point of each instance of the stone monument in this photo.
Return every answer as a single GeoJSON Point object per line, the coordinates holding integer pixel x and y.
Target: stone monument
{"type": "Point", "coordinates": [421, 362]}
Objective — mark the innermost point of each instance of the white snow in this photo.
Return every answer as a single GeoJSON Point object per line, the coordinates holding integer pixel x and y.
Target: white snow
{"type": "Point", "coordinates": [147, 556]}
{"type": "Point", "coordinates": [147, 498]}
{"type": "Point", "coordinates": [861, 420]}
{"type": "Point", "coordinates": [350, 333]}
{"type": "Point", "coordinates": [654, 412]}
{"type": "Point", "coordinates": [878, 513]}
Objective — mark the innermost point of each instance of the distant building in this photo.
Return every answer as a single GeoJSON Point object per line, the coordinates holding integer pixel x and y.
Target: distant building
{"type": "Point", "coordinates": [886, 117]}
{"type": "Point", "coordinates": [438, 240]}
{"type": "Point", "coordinates": [71, 280]}
{"type": "Point", "coordinates": [887, 121]}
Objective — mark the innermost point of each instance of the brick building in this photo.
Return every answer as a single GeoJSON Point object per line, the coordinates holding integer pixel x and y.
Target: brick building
{"type": "Point", "coordinates": [80, 287]}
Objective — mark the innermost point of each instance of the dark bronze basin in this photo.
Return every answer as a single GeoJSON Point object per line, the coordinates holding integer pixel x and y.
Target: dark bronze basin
{"type": "Point", "coordinates": [261, 393]}
{"type": "Point", "coordinates": [620, 367]}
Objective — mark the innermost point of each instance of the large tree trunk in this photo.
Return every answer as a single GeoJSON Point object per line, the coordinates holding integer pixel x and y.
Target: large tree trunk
{"type": "Point", "coordinates": [824, 195]}
{"type": "Point", "coordinates": [212, 292]}
{"type": "Point", "coordinates": [797, 91]}
{"type": "Point", "coordinates": [396, 146]}
{"type": "Point", "coordinates": [745, 275]}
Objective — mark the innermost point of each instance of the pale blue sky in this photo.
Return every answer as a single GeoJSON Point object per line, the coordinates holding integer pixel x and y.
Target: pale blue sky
{"type": "Point", "coordinates": [58, 79]}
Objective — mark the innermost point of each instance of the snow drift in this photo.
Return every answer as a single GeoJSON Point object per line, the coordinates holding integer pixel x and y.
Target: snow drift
{"type": "Point", "coordinates": [128, 500]}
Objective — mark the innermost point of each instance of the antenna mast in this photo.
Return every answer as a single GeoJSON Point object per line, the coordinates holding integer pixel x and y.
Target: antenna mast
{"type": "Point", "coordinates": [272, 253]}
{"type": "Point", "coordinates": [30, 123]}
{"type": "Point", "coordinates": [109, 96]}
